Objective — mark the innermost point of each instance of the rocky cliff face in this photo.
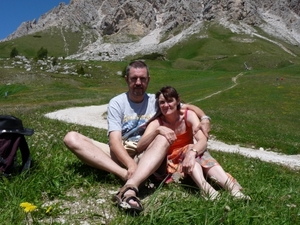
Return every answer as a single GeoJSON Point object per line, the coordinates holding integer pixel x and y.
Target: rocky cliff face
{"type": "Point", "coordinates": [149, 25]}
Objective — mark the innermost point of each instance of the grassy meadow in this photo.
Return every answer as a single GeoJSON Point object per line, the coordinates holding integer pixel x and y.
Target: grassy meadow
{"type": "Point", "coordinates": [51, 39]}
{"type": "Point", "coordinates": [257, 107]}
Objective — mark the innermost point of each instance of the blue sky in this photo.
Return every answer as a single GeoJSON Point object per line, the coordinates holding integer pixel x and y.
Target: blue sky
{"type": "Point", "coordinates": [14, 12]}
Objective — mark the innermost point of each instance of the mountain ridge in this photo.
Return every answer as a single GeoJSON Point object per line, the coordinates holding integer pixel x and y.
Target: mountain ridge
{"type": "Point", "coordinates": [113, 30]}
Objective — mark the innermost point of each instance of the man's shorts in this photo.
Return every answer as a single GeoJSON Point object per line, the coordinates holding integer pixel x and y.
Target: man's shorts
{"type": "Point", "coordinates": [130, 147]}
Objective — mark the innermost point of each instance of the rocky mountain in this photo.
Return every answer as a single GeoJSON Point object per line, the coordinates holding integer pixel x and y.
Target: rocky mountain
{"type": "Point", "coordinates": [114, 29]}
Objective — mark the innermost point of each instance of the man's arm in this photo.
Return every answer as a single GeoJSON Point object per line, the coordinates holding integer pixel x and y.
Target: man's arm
{"type": "Point", "coordinates": [199, 112]}
{"type": "Point", "coordinates": [116, 146]}
{"type": "Point", "coordinates": [115, 113]}
{"type": "Point", "coordinates": [204, 119]}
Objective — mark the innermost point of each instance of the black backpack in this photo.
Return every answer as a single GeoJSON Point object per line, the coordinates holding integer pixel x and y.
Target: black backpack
{"type": "Point", "coordinates": [11, 139]}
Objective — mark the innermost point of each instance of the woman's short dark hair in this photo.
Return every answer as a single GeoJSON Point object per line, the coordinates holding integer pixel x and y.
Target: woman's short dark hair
{"type": "Point", "coordinates": [168, 92]}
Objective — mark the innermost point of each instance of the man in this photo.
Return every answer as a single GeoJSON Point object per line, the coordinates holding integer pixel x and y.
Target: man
{"type": "Point", "coordinates": [127, 113]}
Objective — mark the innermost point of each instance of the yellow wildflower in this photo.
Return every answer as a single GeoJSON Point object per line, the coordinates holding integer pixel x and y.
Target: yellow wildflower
{"type": "Point", "coordinates": [28, 207]}
{"type": "Point", "coordinates": [49, 210]}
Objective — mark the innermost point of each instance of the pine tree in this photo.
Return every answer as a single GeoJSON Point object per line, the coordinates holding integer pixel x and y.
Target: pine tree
{"type": "Point", "coordinates": [14, 52]}
{"type": "Point", "coordinates": [42, 53]}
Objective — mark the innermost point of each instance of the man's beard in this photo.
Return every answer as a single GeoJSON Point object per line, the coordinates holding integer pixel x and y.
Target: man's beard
{"type": "Point", "coordinates": [138, 91]}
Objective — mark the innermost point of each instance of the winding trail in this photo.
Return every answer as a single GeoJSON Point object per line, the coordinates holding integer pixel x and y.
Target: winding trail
{"type": "Point", "coordinates": [93, 116]}
{"type": "Point", "coordinates": [234, 80]}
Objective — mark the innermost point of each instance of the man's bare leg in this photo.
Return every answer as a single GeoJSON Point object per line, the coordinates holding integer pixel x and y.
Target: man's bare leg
{"type": "Point", "coordinates": [149, 163]}
{"type": "Point", "coordinates": [90, 154]}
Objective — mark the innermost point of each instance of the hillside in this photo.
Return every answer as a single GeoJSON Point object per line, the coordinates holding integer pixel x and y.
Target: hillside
{"type": "Point", "coordinates": [116, 30]}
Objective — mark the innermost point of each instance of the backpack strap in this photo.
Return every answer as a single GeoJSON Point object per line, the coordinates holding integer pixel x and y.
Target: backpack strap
{"type": "Point", "coordinates": [9, 144]}
{"type": "Point", "coordinates": [26, 159]}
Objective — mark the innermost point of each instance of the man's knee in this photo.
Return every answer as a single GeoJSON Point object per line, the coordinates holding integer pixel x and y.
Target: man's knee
{"type": "Point", "coordinates": [70, 139]}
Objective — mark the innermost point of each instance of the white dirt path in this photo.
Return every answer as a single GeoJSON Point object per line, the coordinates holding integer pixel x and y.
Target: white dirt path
{"type": "Point", "coordinates": [93, 116]}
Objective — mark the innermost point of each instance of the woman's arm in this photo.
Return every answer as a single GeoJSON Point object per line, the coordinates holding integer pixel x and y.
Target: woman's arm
{"type": "Point", "coordinates": [198, 148]}
{"type": "Point", "coordinates": [148, 136]}
{"type": "Point", "coordinates": [201, 141]}
{"type": "Point", "coordinates": [152, 130]}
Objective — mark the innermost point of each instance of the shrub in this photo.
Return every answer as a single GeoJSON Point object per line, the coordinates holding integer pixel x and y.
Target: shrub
{"type": "Point", "coordinates": [42, 53]}
{"type": "Point", "coordinates": [80, 71]}
{"type": "Point", "coordinates": [14, 52]}
{"type": "Point", "coordinates": [54, 61]}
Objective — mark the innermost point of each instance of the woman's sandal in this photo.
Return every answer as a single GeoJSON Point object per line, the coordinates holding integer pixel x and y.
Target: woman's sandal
{"type": "Point", "coordinates": [123, 201]}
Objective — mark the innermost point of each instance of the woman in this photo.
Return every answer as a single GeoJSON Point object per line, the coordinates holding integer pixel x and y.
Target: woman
{"type": "Point", "coordinates": [186, 156]}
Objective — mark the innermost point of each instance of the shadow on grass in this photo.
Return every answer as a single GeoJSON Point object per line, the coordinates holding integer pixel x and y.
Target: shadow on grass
{"type": "Point", "coordinates": [92, 174]}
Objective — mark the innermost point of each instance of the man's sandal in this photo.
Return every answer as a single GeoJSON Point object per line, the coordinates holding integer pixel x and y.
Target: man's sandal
{"type": "Point", "coordinates": [123, 201]}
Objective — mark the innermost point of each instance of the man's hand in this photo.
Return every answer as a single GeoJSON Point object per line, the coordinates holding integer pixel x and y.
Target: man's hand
{"type": "Point", "coordinates": [131, 169]}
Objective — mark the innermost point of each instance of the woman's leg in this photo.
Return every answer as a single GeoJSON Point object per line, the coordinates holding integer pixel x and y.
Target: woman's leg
{"type": "Point", "coordinates": [198, 177]}
{"type": "Point", "coordinates": [218, 174]}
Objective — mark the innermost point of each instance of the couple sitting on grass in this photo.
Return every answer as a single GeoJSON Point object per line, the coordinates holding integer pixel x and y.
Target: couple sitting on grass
{"type": "Point", "coordinates": [152, 134]}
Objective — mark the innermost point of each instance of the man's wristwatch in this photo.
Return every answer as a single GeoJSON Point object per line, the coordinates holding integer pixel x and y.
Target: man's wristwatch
{"type": "Point", "coordinates": [205, 118]}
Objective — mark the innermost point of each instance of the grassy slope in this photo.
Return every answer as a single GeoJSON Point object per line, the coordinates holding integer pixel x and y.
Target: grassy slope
{"type": "Point", "coordinates": [259, 111]}
{"type": "Point", "coordinates": [52, 39]}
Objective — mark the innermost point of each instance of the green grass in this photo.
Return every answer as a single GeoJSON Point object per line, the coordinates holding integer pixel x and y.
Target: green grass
{"type": "Point", "coordinates": [265, 109]}
{"type": "Point", "coordinates": [258, 111]}
{"type": "Point", "coordinates": [59, 43]}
